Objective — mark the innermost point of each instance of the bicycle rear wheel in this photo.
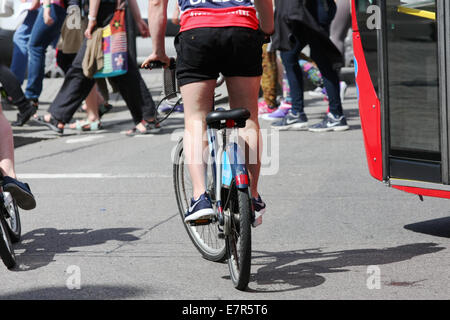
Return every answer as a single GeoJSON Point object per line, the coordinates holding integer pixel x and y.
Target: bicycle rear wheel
{"type": "Point", "coordinates": [205, 237]}
{"type": "Point", "coordinates": [239, 240]}
{"type": "Point", "coordinates": [6, 248]}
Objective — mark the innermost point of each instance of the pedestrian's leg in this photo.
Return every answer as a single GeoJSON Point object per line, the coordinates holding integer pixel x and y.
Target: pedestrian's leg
{"type": "Point", "coordinates": [130, 89]}
{"type": "Point", "coordinates": [251, 133]}
{"type": "Point", "coordinates": [330, 78]}
{"type": "Point", "coordinates": [149, 107]}
{"type": "Point", "coordinates": [269, 78]}
{"type": "Point", "coordinates": [20, 51]}
{"type": "Point", "coordinates": [13, 89]}
{"type": "Point", "coordinates": [41, 37]}
{"type": "Point", "coordinates": [341, 24]}
{"type": "Point", "coordinates": [294, 75]}
{"type": "Point", "coordinates": [198, 99]}
{"type": "Point", "coordinates": [75, 89]}
{"type": "Point", "coordinates": [92, 104]}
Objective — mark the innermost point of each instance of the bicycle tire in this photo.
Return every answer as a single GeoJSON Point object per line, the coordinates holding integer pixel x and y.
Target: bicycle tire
{"type": "Point", "coordinates": [13, 223]}
{"type": "Point", "coordinates": [206, 237]}
{"type": "Point", "coordinates": [6, 248]}
{"type": "Point", "coordinates": [239, 240]}
{"type": "Point", "coordinates": [161, 116]}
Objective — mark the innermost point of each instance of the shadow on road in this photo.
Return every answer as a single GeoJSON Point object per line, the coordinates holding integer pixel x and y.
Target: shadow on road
{"type": "Point", "coordinates": [289, 271]}
{"type": "Point", "coordinates": [436, 227]}
{"type": "Point", "coordinates": [86, 292]}
{"type": "Point", "coordinates": [40, 246]}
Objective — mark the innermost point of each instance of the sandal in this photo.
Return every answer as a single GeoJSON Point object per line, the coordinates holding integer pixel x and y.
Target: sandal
{"type": "Point", "coordinates": [52, 124]}
{"type": "Point", "coordinates": [150, 127]}
{"type": "Point", "coordinates": [86, 125]}
{"type": "Point", "coordinates": [103, 109]}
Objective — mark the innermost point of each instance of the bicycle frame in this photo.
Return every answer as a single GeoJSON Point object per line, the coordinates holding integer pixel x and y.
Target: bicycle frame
{"type": "Point", "coordinates": [228, 165]}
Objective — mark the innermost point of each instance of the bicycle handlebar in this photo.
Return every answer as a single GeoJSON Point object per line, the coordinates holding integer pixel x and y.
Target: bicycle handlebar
{"type": "Point", "coordinates": [160, 64]}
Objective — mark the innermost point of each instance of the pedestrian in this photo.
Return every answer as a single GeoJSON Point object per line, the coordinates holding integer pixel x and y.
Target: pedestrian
{"type": "Point", "coordinates": [69, 44]}
{"type": "Point", "coordinates": [45, 31]}
{"type": "Point", "coordinates": [21, 39]}
{"type": "Point", "coordinates": [77, 85]}
{"type": "Point", "coordinates": [310, 22]}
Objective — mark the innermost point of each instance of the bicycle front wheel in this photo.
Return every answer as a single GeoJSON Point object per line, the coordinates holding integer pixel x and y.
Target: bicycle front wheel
{"type": "Point", "coordinates": [13, 221]}
{"type": "Point", "coordinates": [239, 240]}
{"type": "Point", "coordinates": [205, 237]}
{"type": "Point", "coordinates": [6, 248]}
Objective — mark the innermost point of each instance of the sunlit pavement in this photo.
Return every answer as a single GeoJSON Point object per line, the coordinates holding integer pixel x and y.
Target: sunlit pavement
{"type": "Point", "coordinates": [106, 225]}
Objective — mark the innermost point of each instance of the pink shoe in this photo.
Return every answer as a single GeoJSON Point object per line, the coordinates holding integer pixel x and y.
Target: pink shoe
{"type": "Point", "coordinates": [263, 108]}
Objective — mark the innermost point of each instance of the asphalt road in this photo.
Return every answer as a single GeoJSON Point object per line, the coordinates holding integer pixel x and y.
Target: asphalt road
{"type": "Point", "coordinates": [107, 213]}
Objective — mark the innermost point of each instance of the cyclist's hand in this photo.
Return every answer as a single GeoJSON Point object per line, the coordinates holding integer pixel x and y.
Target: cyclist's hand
{"type": "Point", "coordinates": [156, 57]}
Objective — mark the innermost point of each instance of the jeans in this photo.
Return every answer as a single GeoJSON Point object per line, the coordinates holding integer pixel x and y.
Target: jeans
{"type": "Point", "coordinates": [323, 11]}
{"type": "Point", "coordinates": [42, 36]}
{"type": "Point", "coordinates": [20, 40]}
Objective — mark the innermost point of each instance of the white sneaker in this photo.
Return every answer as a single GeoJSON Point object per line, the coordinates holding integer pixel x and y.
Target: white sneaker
{"type": "Point", "coordinates": [317, 93]}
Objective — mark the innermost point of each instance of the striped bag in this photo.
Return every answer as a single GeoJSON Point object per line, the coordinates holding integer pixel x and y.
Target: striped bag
{"type": "Point", "coordinates": [114, 42]}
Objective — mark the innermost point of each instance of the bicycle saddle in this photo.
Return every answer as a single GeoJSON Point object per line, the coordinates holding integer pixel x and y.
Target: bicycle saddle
{"type": "Point", "coordinates": [238, 116]}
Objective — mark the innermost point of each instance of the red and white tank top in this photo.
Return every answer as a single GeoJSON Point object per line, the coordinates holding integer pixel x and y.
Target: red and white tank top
{"type": "Point", "coordinates": [217, 13]}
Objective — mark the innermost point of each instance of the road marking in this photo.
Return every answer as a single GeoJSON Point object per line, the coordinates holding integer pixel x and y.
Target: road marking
{"type": "Point", "coordinates": [27, 176]}
{"type": "Point", "coordinates": [84, 139]}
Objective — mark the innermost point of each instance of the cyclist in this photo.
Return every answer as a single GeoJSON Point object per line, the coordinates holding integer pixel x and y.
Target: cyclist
{"type": "Point", "coordinates": [20, 191]}
{"type": "Point", "coordinates": [215, 37]}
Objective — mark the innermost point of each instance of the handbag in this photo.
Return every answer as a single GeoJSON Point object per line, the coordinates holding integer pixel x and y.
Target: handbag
{"type": "Point", "coordinates": [6, 8]}
{"type": "Point", "coordinates": [114, 45]}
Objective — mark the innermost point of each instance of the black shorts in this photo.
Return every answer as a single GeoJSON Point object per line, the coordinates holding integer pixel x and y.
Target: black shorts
{"type": "Point", "coordinates": [204, 52]}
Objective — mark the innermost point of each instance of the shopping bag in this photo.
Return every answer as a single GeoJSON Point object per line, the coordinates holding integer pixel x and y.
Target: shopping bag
{"type": "Point", "coordinates": [114, 44]}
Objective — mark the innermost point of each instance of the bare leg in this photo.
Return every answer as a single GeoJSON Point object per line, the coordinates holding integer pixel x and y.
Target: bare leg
{"type": "Point", "coordinates": [243, 93]}
{"type": "Point", "coordinates": [6, 147]}
{"type": "Point", "coordinates": [198, 99]}
{"type": "Point", "coordinates": [92, 103]}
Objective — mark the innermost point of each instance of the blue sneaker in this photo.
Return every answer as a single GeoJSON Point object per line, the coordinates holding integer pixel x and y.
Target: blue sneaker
{"type": "Point", "coordinates": [179, 108]}
{"type": "Point", "coordinates": [20, 191]}
{"type": "Point", "coordinates": [259, 207]}
{"type": "Point", "coordinates": [292, 122]}
{"type": "Point", "coordinates": [200, 209]}
{"type": "Point", "coordinates": [330, 123]}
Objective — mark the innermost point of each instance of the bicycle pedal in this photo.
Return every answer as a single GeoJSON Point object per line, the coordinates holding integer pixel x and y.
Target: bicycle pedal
{"type": "Point", "coordinates": [200, 222]}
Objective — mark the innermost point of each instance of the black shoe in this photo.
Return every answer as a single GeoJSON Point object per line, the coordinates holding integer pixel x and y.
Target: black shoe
{"type": "Point", "coordinates": [34, 102]}
{"type": "Point", "coordinates": [23, 117]}
{"type": "Point", "coordinates": [20, 191]}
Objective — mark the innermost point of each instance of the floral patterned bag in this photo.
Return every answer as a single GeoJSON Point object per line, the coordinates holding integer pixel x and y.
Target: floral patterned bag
{"type": "Point", "coordinates": [114, 44]}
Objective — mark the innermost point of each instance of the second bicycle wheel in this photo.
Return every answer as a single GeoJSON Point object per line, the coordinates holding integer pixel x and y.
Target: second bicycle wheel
{"type": "Point", "coordinates": [13, 219]}
{"type": "Point", "coordinates": [205, 237]}
{"type": "Point", "coordinates": [6, 248]}
{"type": "Point", "coordinates": [239, 240]}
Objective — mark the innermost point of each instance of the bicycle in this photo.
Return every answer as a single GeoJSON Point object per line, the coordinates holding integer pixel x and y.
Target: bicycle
{"type": "Point", "coordinates": [10, 227]}
{"type": "Point", "coordinates": [226, 236]}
